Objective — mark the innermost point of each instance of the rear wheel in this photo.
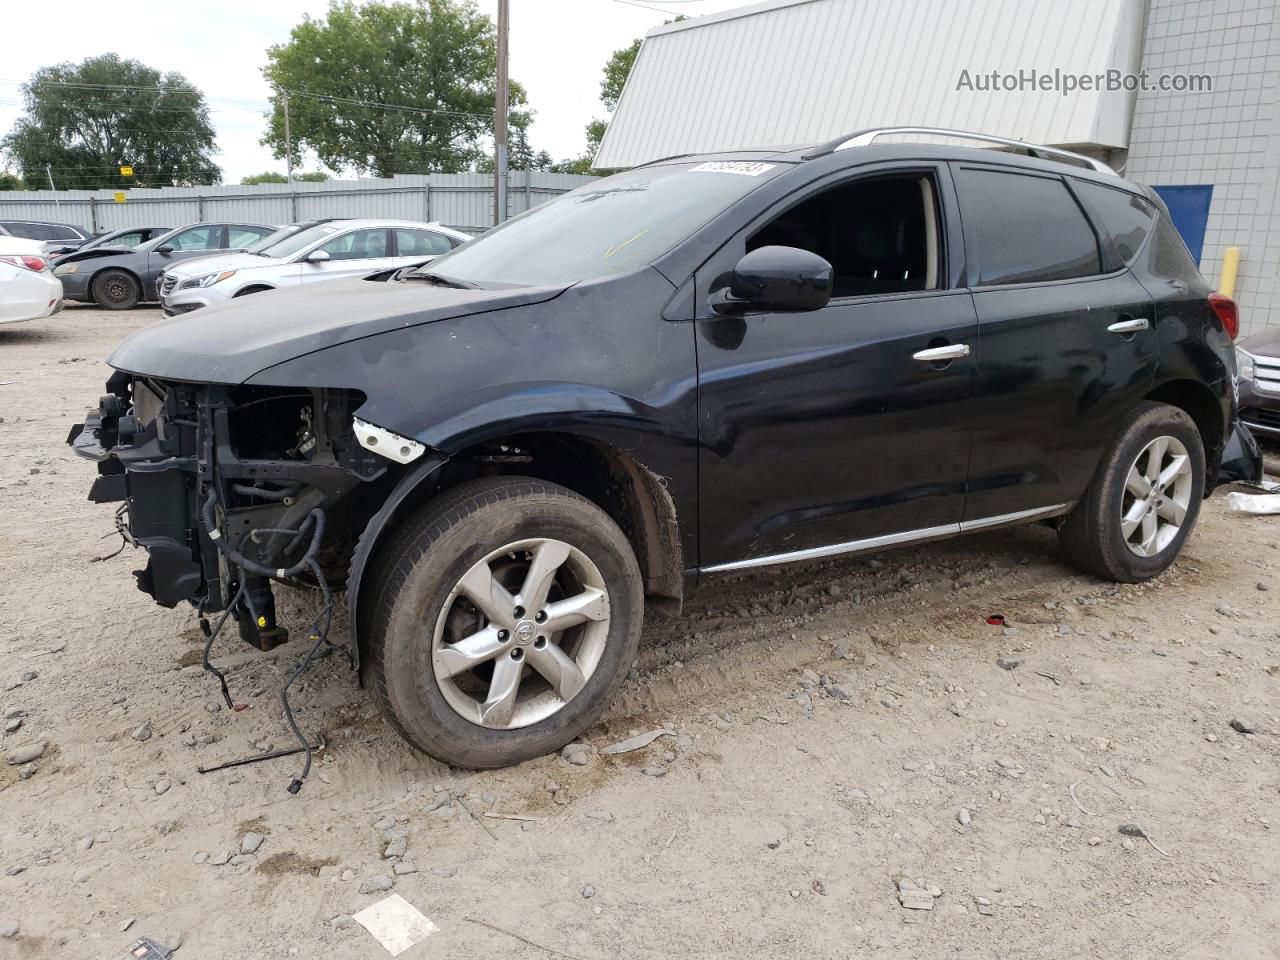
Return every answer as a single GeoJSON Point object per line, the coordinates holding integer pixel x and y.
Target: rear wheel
{"type": "Point", "coordinates": [504, 617]}
{"type": "Point", "coordinates": [116, 290]}
{"type": "Point", "coordinates": [1144, 500]}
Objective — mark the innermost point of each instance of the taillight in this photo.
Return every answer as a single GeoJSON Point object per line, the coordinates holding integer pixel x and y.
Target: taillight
{"type": "Point", "coordinates": [30, 263]}
{"type": "Point", "coordinates": [1227, 312]}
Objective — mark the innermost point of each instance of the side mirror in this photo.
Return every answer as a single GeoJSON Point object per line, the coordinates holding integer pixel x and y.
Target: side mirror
{"type": "Point", "coordinates": [318, 256]}
{"type": "Point", "coordinates": [166, 249]}
{"type": "Point", "coordinates": [786, 279]}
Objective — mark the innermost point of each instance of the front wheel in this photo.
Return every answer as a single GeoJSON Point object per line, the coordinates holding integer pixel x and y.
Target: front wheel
{"type": "Point", "coordinates": [504, 616]}
{"type": "Point", "coordinates": [1144, 499]}
{"type": "Point", "coordinates": [116, 290]}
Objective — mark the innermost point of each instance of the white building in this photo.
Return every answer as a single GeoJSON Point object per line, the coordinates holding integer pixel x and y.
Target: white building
{"type": "Point", "coordinates": [787, 73]}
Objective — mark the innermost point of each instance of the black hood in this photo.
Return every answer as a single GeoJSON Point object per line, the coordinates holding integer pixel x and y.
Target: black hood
{"type": "Point", "coordinates": [232, 342]}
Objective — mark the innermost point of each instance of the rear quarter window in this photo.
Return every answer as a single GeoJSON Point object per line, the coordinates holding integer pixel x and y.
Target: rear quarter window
{"type": "Point", "coordinates": [1126, 217]}
{"type": "Point", "coordinates": [1022, 228]}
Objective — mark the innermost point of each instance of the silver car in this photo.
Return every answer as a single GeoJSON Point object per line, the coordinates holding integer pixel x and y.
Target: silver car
{"type": "Point", "coordinates": [320, 250]}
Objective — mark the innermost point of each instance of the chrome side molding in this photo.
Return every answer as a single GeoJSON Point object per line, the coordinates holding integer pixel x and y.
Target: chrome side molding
{"type": "Point", "coordinates": [892, 539]}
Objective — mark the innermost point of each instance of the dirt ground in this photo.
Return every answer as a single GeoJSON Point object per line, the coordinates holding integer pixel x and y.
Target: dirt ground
{"type": "Point", "coordinates": [835, 729]}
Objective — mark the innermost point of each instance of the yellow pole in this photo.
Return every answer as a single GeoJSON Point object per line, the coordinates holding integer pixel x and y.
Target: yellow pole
{"type": "Point", "coordinates": [1230, 264]}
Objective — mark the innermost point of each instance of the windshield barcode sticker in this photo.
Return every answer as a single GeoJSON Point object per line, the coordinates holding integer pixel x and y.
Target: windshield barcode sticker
{"type": "Point", "coordinates": [744, 168]}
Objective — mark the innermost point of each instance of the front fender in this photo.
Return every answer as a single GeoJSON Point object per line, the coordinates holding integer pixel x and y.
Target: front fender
{"type": "Point", "coordinates": [372, 534]}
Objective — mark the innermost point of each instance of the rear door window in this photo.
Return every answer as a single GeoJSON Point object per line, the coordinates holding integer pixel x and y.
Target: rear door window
{"type": "Point", "coordinates": [1022, 228]}
{"type": "Point", "coordinates": [1126, 217]}
{"type": "Point", "coordinates": [197, 238]}
{"type": "Point", "coordinates": [421, 243]}
{"type": "Point", "coordinates": [238, 237]}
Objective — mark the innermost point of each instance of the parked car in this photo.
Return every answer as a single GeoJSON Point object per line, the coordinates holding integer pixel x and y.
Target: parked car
{"type": "Point", "coordinates": [64, 234]}
{"type": "Point", "coordinates": [1258, 360]}
{"type": "Point", "coordinates": [324, 250]}
{"type": "Point", "coordinates": [126, 238]}
{"type": "Point", "coordinates": [28, 288]}
{"type": "Point", "coordinates": [705, 365]}
{"type": "Point", "coordinates": [118, 279]}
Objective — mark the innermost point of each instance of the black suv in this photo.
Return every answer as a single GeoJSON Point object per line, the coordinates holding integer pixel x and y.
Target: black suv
{"type": "Point", "coordinates": [705, 364]}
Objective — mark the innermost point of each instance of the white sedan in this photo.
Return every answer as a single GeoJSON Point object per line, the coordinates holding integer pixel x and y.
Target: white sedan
{"type": "Point", "coordinates": [319, 250]}
{"type": "Point", "coordinates": [28, 288]}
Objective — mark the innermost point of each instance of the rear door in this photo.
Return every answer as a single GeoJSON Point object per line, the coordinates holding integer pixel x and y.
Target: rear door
{"type": "Point", "coordinates": [418, 246]}
{"type": "Point", "coordinates": [829, 431]}
{"type": "Point", "coordinates": [1066, 340]}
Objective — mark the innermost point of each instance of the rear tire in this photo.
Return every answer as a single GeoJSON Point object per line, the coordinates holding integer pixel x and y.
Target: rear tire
{"type": "Point", "coordinates": [1144, 499]}
{"type": "Point", "coordinates": [439, 662]}
{"type": "Point", "coordinates": [116, 290]}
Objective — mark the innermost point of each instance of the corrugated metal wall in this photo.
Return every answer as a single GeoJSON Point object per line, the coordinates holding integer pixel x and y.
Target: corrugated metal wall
{"type": "Point", "coordinates": [461, 200]}
{"type": "Point", "coordinates": [797, 72]}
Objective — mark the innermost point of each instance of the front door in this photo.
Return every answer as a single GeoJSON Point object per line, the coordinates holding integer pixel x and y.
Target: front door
{"type": "Point", "coordinates": [845, 427]}
{"type": "Point", "coordinates": [351, 254]}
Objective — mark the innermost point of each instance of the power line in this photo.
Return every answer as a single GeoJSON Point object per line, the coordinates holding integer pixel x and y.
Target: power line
{"type": "Point", "coordinates": [645, 6]}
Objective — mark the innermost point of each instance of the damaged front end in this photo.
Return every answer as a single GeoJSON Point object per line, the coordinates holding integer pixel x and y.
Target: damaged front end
{"type": "Point", "coordinates": [229, 487]}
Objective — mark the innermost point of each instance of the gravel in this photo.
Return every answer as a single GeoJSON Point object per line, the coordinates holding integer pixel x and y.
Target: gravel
{"type": "Point", "coordinates": [377, 884]}
{"type": "Point", "coordinates": [28, 753]}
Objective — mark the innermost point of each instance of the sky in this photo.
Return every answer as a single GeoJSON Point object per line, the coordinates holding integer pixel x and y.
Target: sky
{"type": "Point", "coordinates": [558, 50]}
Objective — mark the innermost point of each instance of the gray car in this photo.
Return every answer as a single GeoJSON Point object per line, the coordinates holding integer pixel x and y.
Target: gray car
{"type": "Point", "coordinates": [118, 279]}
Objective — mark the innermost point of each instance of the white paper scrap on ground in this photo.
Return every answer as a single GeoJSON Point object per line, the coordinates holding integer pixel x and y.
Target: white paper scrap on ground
{"type": "Point", "coordinates": [1254, 503]}
{"type": "Point", "coordinates": [396, 923]}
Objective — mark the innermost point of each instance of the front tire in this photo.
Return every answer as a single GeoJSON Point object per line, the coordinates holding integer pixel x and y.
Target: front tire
{"type": "Point", "coordinates": [504, 616]}
{"type": "Point", "coordinates": [1144, 499]}
{"type": "Point", "coordinates": [116, 290]}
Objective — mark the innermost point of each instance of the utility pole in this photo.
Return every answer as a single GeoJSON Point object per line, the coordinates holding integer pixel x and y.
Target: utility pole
{"type": "Point", "coordinates": [49, 171]}
{"type": "Point", "coordinates": [500, 118]}
{"type": "Point", "coordinates": [288, 143]}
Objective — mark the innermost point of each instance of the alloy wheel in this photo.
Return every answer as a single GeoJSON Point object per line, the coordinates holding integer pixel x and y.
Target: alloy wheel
{"type": "Point", "coordinates": [521, 633]}
{"type": "Point", "coordinates": [1157, 496]}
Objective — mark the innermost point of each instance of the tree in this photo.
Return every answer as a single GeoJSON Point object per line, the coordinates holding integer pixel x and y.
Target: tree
{"type": "Point", "coordinates": [316, 176]}
{"type": "Point", "coordinates": [616, 70]}
{"type": "Point", "coordinates": [82, 121]}
{"type": "Point", "coordinates": [9, 181]}
{"type": "Point", "coordinates": [269, 177]}
{"type": "Point", "coordinates": [388, 88]}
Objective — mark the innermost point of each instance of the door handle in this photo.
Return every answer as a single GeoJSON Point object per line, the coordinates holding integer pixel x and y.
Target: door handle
{"type": "Point", "coordinates": [952, 351]}
{"type": "Point", "coordinates": [1129, 326]}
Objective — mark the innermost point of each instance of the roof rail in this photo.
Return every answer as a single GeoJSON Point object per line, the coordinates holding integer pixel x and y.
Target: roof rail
{"type": "Point", "coordinates": [865, 138]}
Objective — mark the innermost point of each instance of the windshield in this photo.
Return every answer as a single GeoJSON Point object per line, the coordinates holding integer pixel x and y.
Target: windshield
{"type": "Point", "coordinates": [258, 246]}
{"type": "Point", "coordinates": [281, 244]}
{"type": "Point", "coordinates": [610, 226]}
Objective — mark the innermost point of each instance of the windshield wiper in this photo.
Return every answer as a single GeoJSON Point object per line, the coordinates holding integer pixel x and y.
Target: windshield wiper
{"type": "Point", "coordinates": [441, 280]}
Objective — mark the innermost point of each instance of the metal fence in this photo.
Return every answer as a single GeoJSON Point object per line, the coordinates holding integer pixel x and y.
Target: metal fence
{"type": "Point", "coordinates": [461, 200]}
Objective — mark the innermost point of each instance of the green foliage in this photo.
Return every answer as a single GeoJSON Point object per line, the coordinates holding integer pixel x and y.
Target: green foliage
{"type": "Point", "coordinates": [84, 120]}
{"type": "Point", "coordinates": [10, 181]}
{"type": "Point", "coordinates": [316, 176]}
{"type": "Point", "coordinates": [616, 70]}
{"type": "Point", "coordinates": [437, 57]}
{"type": "Point", "coordinates": [257, 178]}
